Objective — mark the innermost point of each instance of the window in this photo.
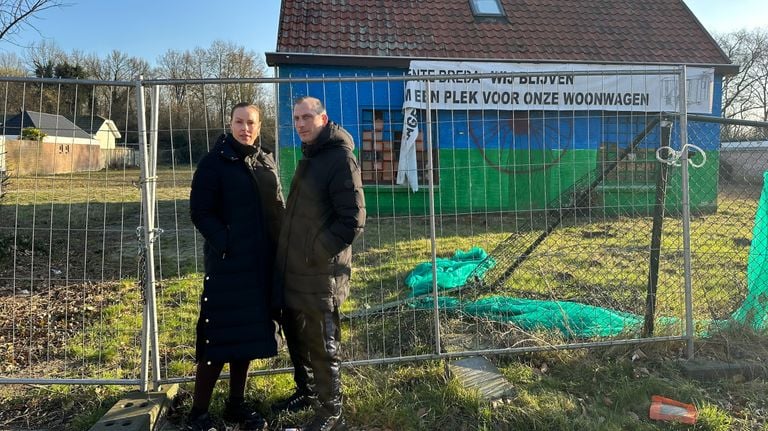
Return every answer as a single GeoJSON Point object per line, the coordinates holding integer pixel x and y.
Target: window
{"type": "Point", "coordinates": [382, 131]}
{"type": "Point", "coordinates": [486, 8]}
{"type": "Point", "coordinates": [637, 168]}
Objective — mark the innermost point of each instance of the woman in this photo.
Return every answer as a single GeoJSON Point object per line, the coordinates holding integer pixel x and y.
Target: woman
{"type": "Point", "coordinates": [237, 205]}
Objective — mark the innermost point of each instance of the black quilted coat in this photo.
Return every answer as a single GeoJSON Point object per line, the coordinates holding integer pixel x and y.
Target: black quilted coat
{"type": "Point", "coordinates": [325, 212]}
{"type": "Point", "coordinates": [236, 203]}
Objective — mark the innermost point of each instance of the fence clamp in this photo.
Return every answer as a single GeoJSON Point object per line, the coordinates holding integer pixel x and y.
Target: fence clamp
{"type": "Point", "coordinates": [673, 156]}
{"type": "Point", "coordinates": [154, 234]}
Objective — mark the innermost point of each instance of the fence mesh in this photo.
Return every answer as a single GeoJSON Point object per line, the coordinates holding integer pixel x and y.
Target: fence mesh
{"type": "Point", "coordinates": [68, 239]}
{"type": "Point", "coordinates": [728, 245]}
{"type": "Point", "coordinates": [575, 222]}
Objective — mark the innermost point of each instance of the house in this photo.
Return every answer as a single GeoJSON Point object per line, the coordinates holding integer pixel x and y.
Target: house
{"type": "Point", "coordinates": [65, 148]}
{"type": "Point", "coordinates": [516, 142]}
{"type": "Point", "coordinates": [57, 128]}
{"type": "Point", "coordinates": [103, 130]}
{"type": "Point", "coordinates": [744, 161]}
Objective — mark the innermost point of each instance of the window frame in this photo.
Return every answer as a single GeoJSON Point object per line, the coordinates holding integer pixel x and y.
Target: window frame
{"type": "Point", "coordinates": [476, 9]}
{"type": "Point", "coordinates": [388, 123]}
{"type": "Point", "coordinates": [639, 168]}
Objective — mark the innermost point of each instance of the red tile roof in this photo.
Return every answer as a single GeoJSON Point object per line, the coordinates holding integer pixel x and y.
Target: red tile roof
{"type": "Point", "coordinates": [633, 31]}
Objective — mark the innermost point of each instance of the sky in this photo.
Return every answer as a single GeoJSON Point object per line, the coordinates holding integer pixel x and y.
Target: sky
{"type": "Point", "coordinates": [148, 28]}
{"type": "Point", "coordinates": [724, 16]}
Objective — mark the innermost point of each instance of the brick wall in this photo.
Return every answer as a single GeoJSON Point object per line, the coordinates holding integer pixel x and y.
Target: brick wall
{"type": "Point", "coordinates": [44, 158]}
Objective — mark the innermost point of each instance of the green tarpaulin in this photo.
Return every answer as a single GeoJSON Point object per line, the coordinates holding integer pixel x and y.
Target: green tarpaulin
{"type": "Point", "coordinates": [451, 272]}
{"type": "Point", "coordinates": [574, 319]}
{"type": "Point", "coordinates": [754, 310]}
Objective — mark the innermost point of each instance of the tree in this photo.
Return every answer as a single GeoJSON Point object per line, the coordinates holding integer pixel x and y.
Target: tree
{"type": "Point", "coordinates": [42, 57]}
{"type": "Point", "coordinates": [745, 95]}
{"type": "Point", "coordinates": [17, 14]}
{"type": "Point", "coordinates": [748, 49]}
{"type": "Point", "coordinates": [198, 113]}
{"type": "Point", "coordinates": [176, 65]}
{"type": "Point", "coordinates": [115, 102]}
{"type": "Point", "coordinates": [11, 65]}
{"type": "Point", "coordinates": [72, 97]}
{"type": "Point", "coordinates": [759, 74]}
{"type": "Point", "coordinates": [227, 60]}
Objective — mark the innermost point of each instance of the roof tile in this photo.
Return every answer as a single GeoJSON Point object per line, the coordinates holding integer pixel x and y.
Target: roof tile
{"type": "Point", "coordinates": [648, 31]}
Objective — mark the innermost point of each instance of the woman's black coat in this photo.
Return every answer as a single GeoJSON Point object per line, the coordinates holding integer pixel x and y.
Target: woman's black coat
{"type": "Point", "coordinates": [237, 205]}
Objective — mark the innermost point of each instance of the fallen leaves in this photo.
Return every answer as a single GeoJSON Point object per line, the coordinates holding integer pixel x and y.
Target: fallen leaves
{"type": "Point", "coordinates": [36, 326]}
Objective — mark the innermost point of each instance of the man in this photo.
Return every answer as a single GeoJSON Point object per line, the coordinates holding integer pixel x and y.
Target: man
{"type": "Point", "coordinates": [325, 212]}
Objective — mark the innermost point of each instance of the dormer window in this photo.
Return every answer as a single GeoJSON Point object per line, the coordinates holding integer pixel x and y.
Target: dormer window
{"type": "Point", "coordinates": [481, 8]}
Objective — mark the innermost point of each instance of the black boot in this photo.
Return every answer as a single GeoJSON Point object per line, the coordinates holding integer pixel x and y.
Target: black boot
{"type": "Point", "coordinates": [298, 401]}
{"type": "Point", "coordinates": [326, 420]}
{"type": "Point", "coordinates": [201, 422]}
{"type": "Point", "coordinates": [247, 418]}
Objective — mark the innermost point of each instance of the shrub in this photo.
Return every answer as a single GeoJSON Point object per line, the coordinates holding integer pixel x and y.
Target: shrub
{"type": "Point", "coordinates": [32, 134]}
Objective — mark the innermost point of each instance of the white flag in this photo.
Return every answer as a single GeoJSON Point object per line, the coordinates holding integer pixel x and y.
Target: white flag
{"type": "Point", "coordinates": [406, 167]}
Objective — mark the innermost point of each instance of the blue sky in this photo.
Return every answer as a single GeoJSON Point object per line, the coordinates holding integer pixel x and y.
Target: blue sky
{"type": "Point", "coordinates": [722, 16]}
{"type": "Point", "coordinates": [147, 28]}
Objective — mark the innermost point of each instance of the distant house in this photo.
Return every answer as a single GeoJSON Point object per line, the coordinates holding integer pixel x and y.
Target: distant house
{"type": "Point", "coordinates": [65, 148]}
{"type": "Point", "coordinates": [101, 129]}
{"type": "Point", "coordinates": [513, 151]}
{"type": "Point", "coordinates": [744, 160]}
{"type": "Point", "coordinates": [59, 129]}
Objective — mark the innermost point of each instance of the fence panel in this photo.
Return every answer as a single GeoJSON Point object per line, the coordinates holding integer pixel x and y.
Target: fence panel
{"type": "Point", "coordinates": [555, 206]}
{"type": "Point", "coordinates": [190, 118]}
{"type": "Point", "coordinates": [729, 244]}
{"type": "Point", "coordinates": [547, 225]}
{"type": "Point", "coordinates": [71, 309]}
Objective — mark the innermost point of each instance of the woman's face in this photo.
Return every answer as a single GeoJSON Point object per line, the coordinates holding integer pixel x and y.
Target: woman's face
{"type": "Point", "coordinates": [245, 125]}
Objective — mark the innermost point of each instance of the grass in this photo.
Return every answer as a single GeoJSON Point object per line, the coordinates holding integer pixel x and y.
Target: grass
{"type": "Point", "coordinates": [69, 265]}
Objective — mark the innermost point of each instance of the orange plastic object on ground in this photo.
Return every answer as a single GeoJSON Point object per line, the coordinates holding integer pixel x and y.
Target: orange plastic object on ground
{"type": "Point", "coordinates": [667, 409]}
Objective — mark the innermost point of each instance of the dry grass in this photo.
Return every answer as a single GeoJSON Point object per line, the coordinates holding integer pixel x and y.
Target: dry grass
{"type": "Point", "coordinates": [71, 308]}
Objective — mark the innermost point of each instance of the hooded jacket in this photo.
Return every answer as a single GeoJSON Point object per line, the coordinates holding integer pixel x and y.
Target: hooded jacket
{"type": "Point", "coordinates": [236, 203]}
{"type": "Point", "coordinates": [325, 212]}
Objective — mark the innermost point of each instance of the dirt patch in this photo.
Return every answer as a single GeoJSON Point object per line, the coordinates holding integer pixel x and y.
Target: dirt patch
{"type": "Point", "coordinates": [36, 326]}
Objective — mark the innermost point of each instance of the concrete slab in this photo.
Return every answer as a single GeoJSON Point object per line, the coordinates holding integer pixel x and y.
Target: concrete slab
{"type": "Point", "coordinates": [480, 374]}
{"type": "Point", "coordinates": [700, 369]}
{"type": "Point", "coordinates": [138, 411]}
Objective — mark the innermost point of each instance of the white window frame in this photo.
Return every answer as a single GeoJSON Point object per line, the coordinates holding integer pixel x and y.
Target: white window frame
{"type": "Point", "coordinates": [477, 8]}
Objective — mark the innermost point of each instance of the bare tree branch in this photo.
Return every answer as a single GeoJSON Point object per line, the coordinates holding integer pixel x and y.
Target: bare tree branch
{"type": "Point", "coordinates": [15, 14]}
{"type": "Point", "coordinates": [742, 94]}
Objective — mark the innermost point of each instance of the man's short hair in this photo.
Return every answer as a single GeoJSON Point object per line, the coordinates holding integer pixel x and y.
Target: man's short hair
{"type": "Point", "coordinates": [314, 102]}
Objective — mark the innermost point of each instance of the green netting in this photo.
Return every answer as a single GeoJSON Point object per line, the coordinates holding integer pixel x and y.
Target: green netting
{"type": "Point", "coordinates": [452, 272]}
{"type": "Point", "coordinates": [573, 319]}
{"type": "Point", "coordinates": [754, 310]}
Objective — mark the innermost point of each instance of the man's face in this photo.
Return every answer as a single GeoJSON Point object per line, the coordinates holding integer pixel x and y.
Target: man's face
{"type": "Point", "coordinates": [245, 125]}
{"type": "Point", "coordinates": [308, 123]}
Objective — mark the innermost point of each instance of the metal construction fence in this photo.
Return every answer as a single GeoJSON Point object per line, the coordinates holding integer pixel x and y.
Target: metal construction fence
{"type": "Point", "coordinates": [526, 229]}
